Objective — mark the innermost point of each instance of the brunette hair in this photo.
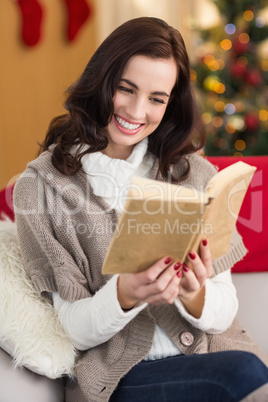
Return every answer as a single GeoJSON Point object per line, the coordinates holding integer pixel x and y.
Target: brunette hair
{"type": "Point", "coordinates": [90, 100]}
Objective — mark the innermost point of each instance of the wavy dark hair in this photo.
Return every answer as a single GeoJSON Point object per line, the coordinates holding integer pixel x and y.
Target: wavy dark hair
{"type": "Point", "coordinates": [89, 101]}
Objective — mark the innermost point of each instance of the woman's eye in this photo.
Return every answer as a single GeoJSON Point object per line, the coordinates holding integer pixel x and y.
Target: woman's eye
{"type": "Point", "coordinates": [125, 89]}
{"type": "Point", "coordinates": [158, 100]}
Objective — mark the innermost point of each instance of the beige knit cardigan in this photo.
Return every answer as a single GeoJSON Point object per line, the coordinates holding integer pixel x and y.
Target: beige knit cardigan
{"type": "Point", "coordinates": [64, 232]}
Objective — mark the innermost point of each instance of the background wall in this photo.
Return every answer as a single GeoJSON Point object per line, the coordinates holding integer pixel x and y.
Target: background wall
{"type": "Point", "coordinates": [33, 79]}
{"type": "Point", "coordinates": [112, 13]}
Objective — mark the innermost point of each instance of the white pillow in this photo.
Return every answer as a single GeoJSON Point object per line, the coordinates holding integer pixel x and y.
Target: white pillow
{"type": "Point", "coordinates": [29, 327]}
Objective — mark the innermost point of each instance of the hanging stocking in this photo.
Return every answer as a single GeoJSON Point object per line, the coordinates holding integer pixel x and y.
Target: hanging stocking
{"type": "Point", "coordinates": [32, 14]}
{"type": "Point", "coordinates": [78, 13]}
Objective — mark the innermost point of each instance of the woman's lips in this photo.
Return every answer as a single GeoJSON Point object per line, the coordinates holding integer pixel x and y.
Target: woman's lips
{"type": "Point", "coordinates": [127, 127]}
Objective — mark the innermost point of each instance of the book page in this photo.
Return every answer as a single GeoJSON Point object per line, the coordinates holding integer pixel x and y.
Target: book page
{"type": "Point", "coordinates": [229, 176]}
{"type": "Point", "coordinates": [229, 188]}
{"type": "Point", "coordinates": [159, 221]}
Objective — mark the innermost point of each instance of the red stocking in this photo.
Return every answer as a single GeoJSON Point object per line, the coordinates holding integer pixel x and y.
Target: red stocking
{"type": "Point", "coordinates": [32, 14]}
{"type": "Point", "coordinates": [78, 13]}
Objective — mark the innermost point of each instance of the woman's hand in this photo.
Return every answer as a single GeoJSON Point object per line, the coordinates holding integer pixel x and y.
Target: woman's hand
{"type": "Point", "coordinates": [192, 285]}
{"type": "Point", "coordinates": [159, 284]}
{"type": "Point", "coordinates": [166, 280]}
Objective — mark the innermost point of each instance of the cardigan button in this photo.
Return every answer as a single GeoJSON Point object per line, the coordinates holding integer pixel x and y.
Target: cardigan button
{"type": "Point", "coordinates": [186, 338]}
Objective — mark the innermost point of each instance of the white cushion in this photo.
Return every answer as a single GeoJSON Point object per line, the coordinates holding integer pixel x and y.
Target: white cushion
{"type": "Point", "coordinates": [29, 327]}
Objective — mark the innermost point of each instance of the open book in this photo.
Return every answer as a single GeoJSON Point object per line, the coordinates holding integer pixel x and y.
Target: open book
{"type": "Point", "coordinates": [162, 219]}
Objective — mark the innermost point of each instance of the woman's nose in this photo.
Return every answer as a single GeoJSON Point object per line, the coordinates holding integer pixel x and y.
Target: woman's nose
{"type": "Point", "coordinates": [137, 109]}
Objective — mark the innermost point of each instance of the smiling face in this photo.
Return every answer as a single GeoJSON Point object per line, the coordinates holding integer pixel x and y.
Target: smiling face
{"type": "Point", "coordinates": [140, 102]}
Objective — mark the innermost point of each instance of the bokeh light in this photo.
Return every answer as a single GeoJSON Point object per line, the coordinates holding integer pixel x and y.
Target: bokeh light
{"type": "Point", "coordinates": [230, 29]}
{"type": "Point", "coordinates": [208, 58]}
{"type": "Point", "coordinates": [264, 65]}
{"type": "Point", "coordinates": [260, 22]}
{"type": "Point", "coordinates": [219, 106]}
{"type": "Point", "coordinates": [193, 75]}
{"type": "Point", "coordinates": [217, 121]}
{"type": "Point", "coordinates": [207, 118]}
{"type": "Point", "coordinates": [238, 122]}
{"type": "Point", "coordinates": [229, 108]}
{"type": "Point", "coordinates": [239, 106]}
{"type": "Point", "coordinates": [263, 115]}
{"type": "Point", "coordinates": [226, 44]}
{"type": "Point", "coordinates": [221, 143]}
{"type": "Point", "coordinates": [240, 145]}
{"type": "Point", "coordinates": [210, 82]}
{"type": "Point", "coordinates": [243, 38]}
{"type": "Point", "coordinates": [221, 64]}
{"type": "Point", "coordinates": [219, 88]}
{"type": "Point", "coordinates": [230, 128]}
{"type": "Point", "coordinates": [248, 15]}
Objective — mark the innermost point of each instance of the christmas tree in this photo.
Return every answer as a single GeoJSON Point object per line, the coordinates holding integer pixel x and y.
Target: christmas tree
{"type": "Point", "coordinates": [230, 75]}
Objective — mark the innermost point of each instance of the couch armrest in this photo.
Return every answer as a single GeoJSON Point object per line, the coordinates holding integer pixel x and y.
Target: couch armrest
{"type": "Point", "coordinates": [252, 293]}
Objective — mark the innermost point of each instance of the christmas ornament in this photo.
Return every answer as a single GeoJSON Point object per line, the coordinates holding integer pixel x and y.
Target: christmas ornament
{"type": "Point", "coordinates": [240, 47]}
{"type": "Point", "coordinates": [78, 13]}
{"type": "Point", "coordinates": [251, 121]}
{"type": "Point", "coordinates": [32, 14]}
{"type": "Point", "coordinates": [237, 70]}
{"type": "Point", "coordinates": [254, 78]}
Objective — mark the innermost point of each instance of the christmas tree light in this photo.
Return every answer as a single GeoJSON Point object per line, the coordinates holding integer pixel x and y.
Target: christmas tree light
{"type": "Point", "coordinates": [230, 76]}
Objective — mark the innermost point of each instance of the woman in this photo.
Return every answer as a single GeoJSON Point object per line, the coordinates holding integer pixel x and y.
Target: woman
{"type": "Point", "coordinates": [142, 336]}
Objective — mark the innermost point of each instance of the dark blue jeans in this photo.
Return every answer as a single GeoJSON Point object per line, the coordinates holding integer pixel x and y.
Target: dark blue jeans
{"type": "Point", "coordinates": [214, 377]}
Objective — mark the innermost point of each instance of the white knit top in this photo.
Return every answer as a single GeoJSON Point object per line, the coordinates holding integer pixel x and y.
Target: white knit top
{"type": "Point", "coordinates": [92, 321]}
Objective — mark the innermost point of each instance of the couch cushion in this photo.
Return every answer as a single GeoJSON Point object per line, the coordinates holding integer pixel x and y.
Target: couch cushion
{"type": "Point", "coordinates": [21, 385]}
{"type": "Point", "coordinates": [252, 222]}
{"type": "Point", "coordinates": [251, 312]}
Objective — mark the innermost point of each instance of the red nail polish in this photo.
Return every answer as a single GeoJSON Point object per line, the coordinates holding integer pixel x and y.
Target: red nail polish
{"type": "Point", "coordinates": [204, 242]}
{"type": "Point", "coordinates": [185, 268]}
{"type": "Point", "coordinates": [177, 266]}
{"type": "Point", "coordinates": [192, 255]}
{"type": "Point", "coordinates": [168, 260]}
{"type": "Point", "coordinates": [178, 274]}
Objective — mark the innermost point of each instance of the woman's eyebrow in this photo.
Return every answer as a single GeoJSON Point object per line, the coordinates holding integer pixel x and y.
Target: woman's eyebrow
{"type": "Point", "coordinates": [129, 83]}
{"type": "Point", "coordinates": [161, 93]}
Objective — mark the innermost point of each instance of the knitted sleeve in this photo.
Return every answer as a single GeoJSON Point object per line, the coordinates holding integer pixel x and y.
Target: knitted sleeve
{"type": "Point", "coordinates": [48, 263]}
{"type": "Point", "coordinates": [92, 321]}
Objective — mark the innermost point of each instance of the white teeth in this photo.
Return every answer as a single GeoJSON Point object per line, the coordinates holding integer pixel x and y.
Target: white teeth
{"type": "Point", "coordinates": [126, 125]}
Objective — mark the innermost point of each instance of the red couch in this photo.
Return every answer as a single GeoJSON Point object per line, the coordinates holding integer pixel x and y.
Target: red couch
{"type": "Point", "coordinates": [6, 204]}
{"type": "Point", "coordinates": [253, 218]}
{"type": "Point", "coordinates": [250, 275]}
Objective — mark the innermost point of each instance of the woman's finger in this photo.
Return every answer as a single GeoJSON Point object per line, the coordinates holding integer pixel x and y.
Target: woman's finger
{"type": "Point", "coordinates": [198, 267]}
{"type": "Point", "coordinates": [151, 274]}
{"type": "Point", "coordinates": [161, 283]}
{"type": "Point", "coordinates": [205, 256]}
{"type": "Point", "coordinates": [169, 294]}
{"type": "Point", "coordinates": [190, 281]}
